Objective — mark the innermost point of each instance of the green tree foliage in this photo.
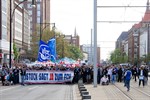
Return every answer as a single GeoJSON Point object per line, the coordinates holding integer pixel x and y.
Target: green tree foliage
{"type": "Point", "coordinates": [16, 52]}
{"type": "Point", "coordinates": [118, 57]}
{"type": "Point", "coordinates": [145, 58]}
{"type": "Point", "coordinates": [63, 48]}
{"type": "Point", "coordinates": [35, 44]}
{"type": "Point", "coordinates": [75, 52]}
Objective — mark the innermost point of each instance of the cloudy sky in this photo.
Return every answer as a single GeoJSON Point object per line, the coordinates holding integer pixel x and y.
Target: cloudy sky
{"type": "Point", "coordinates": [68, 14]}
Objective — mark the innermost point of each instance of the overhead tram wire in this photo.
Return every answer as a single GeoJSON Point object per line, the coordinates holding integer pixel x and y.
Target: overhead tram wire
{"type": "Point", "coordinates": [123, 21]}
{"type": "Point", "coordinates": [121, 6]}
{"type": "Point", "coordinates": [118, 21]}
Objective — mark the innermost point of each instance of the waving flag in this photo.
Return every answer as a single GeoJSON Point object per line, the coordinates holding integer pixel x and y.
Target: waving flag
{"type": "Point", "coordinates": [52, 46]}
{"type": "Point", "coordinates": [44, 52]}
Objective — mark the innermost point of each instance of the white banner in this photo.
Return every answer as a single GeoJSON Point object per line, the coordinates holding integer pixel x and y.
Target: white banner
{"type": "Point", "coordinates": [49, 76]}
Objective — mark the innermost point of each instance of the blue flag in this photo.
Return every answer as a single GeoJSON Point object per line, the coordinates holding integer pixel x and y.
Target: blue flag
{"type": "Point", "coordinates": [44, 52]}
{"type": "Point", "coordinates": [52, 46]}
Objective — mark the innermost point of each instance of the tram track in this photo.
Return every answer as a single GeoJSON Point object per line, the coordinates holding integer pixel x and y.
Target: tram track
{"type": "Point", "coordinates": [143, 92]}
{"type": "Point", "coordinates": [134, 93]}
{"type": "Point", "coordinates": [125, 94]}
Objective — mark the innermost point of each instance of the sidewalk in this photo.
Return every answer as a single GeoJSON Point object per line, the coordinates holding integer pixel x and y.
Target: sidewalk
{"type": "Point", "coordinates": [118, 92]}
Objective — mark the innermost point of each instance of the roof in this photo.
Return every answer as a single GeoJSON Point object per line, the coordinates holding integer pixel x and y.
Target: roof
{"type": "Point", "coordinates": [146, 16]}
{"type": "Point", "coordinates": [122, 36]}
{"type": "Point", "coordinates": [137, 25]}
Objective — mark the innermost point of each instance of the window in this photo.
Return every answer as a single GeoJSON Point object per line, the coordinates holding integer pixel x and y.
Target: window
{"type": "Point", "coordinates": [18, 25]}
{"type": "Point", "coordinates": [135, 45]}
{"type": "Point", "coordinates": [38, 7]}
{"type": "Point", "coordinates": [4, 19]}
{"type": "Point", "coordinates": [4, 5]}
{"type": "Point", "coordinates": [30, 12]}
{"type": "Point", "coordinates": [30, 19]}
{"type": "Point", "coordinates": [135, 39]}
{"type": "Point", "coordinates": [29, 6]}
{"type": "Point", "coordinates": [18, 16]}
{"type": "Point", "coordinates": [38, 13]}
{"type": "Point", "coordinates": [38, 19]}
{"type": "Point", "coordinates": [4, 33]}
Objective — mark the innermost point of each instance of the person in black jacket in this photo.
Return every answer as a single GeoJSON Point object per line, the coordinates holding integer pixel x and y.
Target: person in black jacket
{"type": "Point", "coordinates": [134, 73]}
{"type": "Point", "coordinates": [23, 73]}
{"type": "Point", "coordinates": [120, 72]}
{"type": "Point", "coordinates": [16, 75]}
{"type": "Point", "coordinates": [142, 75]}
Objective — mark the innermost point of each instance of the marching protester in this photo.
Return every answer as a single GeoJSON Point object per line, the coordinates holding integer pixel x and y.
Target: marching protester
{"type": "Point", "coordinates": [3, 74]}
{"type": "Point", "coordinates": [114, 73]}
{"type": "Point", "coordinates": [142, 74]}
{"type": "Point", "coordinates": [99, 75]}
{"type": "Point", "coordinates": [88, 74]}
{"type": "Point", "coordinates": [22, 73]}
{"type": "Point", "coordinates": [120, 72]}
{"type": "Point", "coordinates": [16, 75]}
{"type": "Point", "coordinates": [128, 76]}
{"type": "Point", "coordinates": [134, 73]}
{"type": "Point", "coordinates": [109, 73]}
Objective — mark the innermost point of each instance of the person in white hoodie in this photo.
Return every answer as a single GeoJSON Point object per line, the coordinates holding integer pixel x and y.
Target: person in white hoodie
{"type": "Point", "coordinates": [109, 74]}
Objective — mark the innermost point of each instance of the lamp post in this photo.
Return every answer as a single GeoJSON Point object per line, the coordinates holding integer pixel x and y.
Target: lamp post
{"type": "Point", "coordinates": [11, 18]}
{"type": "Point", "coordinates": [95, 42]}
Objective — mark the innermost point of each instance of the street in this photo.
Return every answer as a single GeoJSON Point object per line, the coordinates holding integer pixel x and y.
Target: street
{"type": "Point", "coordinates": [37, 92]}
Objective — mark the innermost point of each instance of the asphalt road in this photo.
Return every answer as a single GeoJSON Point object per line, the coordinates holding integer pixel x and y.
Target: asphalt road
{"type": "Point", "coordinates": [37, 92]}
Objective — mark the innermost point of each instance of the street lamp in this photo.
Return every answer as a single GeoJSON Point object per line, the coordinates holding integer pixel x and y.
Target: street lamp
{"type": "Point", "coordinates": [95, 42]}
{"type": "Point", "coordinates": [11, 18]}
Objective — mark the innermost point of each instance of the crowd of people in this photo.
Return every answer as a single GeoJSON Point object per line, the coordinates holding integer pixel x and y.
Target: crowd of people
{"type": "Point", "coordinates": [11, 75]}
{"type": "Point", "coordinates": [105, 75]}
{"type": "Point", "coordinates": [112, 74]}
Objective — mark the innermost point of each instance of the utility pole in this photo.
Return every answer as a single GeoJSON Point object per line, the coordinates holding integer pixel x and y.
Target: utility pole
{"type": "Point", "coordinates": [95, 43]}
{"type": "Point", "coordinates": [91, 58]}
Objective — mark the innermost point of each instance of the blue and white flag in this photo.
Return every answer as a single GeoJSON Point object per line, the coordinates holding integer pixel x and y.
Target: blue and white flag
{"type": "Point", "coordinates": [52, 46]}
{"type": "Point", "coordinates": [44, 52]}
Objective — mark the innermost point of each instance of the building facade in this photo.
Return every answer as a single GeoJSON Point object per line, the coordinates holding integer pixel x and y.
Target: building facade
{"type": "Point", "coordinates": [139, 40]}
{"type": "Point", "coordinates": [73, 40]}
{"type": "Point", "coordinates": [87, 48]}
{"type": "Point", "coordinates": [38, 14]}
{"type": "Point", "coordinates": [20, 23]}
{"type": "Point", "coordinates": [4, 40]}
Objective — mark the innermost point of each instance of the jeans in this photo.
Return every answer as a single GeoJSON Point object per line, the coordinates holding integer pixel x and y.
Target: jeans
{"type": "Point", "coordinates": [127, 84]}
{"type": "Point", "coordinates": [22, 79]}
{"type": "Point", "coordinates": [113, 79]}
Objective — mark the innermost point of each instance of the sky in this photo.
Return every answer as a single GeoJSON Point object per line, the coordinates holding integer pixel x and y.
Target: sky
{"type": "Point", "coordinates": [71, 14]}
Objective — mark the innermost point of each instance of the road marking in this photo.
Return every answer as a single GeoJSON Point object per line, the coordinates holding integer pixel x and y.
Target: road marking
{"type": "Point", "coordinates": [8, 89]}
{"type": "Point", "coordinates": [122, 92]}
{"type": "Point", "coordinates": [33, 87]}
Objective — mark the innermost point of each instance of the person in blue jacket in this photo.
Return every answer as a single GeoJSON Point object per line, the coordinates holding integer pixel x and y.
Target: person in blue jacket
{"type": "Point", "coordinates": [128, 76]}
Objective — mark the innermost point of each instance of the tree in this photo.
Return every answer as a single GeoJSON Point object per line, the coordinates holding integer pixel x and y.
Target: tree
{"type": "Point", "coordinates": [34, 44]}
{"type": "Point", "coordinates": [63, 48]}
{"type": "Point", "coordinates": [118, 57]}
{"type": "Point", "coordinates": [16, 53]}
{"type": "Point", "coordinates": [75, 52]}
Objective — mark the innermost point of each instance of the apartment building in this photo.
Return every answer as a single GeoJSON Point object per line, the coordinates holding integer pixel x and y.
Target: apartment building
{"type": "Point", "coordinates": [20, 29]}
